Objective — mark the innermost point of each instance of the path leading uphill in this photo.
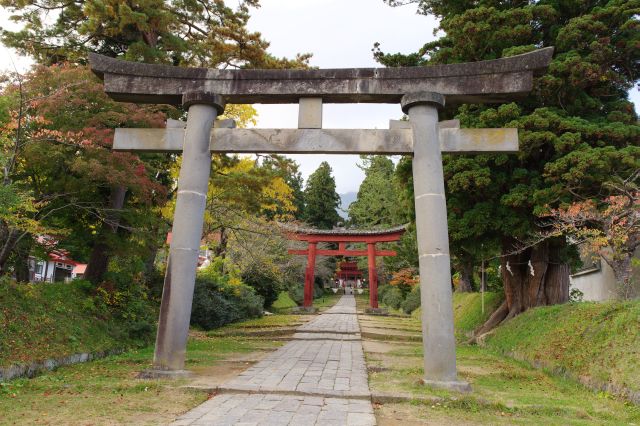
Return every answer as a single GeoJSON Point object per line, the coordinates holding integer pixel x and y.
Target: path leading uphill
{"type": "Point", "coordinates": [318, 378]}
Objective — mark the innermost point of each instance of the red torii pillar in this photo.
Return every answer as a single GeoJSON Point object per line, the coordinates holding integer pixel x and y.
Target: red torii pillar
{"type": "Point", "coordinates": [373, 275]}
{"type": "Point", "coordinates": [343, 236]}
{"type": "Point", "coordinates": [309, 275]}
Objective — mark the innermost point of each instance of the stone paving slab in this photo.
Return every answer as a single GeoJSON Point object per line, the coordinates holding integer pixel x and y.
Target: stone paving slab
{"type": "Point", "coordinates": [327, 336]}
{"type": "Point", "coordinates": [336, 323]}
{"type": "Point", "coordinates": [267, 409]}
{"type": "Point", "coordinates": [319, 378]}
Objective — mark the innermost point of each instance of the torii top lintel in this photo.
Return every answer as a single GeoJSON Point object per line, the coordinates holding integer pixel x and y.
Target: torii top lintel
{"type": "Point", "coordinates": [342, 235]}
{"type": "Point", "coordinates": [496, 80]}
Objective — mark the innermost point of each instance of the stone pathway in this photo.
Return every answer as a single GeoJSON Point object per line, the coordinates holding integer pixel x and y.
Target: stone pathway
{"type": "Point", "coordinates": [318, 378]}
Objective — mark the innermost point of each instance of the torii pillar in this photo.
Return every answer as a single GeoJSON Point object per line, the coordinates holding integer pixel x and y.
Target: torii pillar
{"type": "Point", "coordinates": [309, 276]}
{"type": "Point", "coordinates": [188, 219]}
{"type": "Point", "coordinates": [373, 275]}
{"type": "Point", "coordinates": [438, 338]}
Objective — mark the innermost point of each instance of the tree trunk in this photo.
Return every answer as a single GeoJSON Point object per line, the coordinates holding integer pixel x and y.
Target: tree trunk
{"type": "Point", "coordinates": [221, 250]}
{"type": "Point", "coordinates": [21, 260]}
{"type": "Point", "coordinates": [8, 244]}
{"type": "Point", "coordinates": [622, 271]}
{"type": "Point", "coordinates": [537, 276]}
{"type": "Point", "coordinates": [466, 277]}
{"type": "Point", "coordinates": [99, 258]}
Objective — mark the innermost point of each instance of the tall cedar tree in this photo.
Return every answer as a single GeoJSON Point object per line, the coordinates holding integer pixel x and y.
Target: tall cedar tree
{"type": "Point", "coordinates": [377, 201]}
{"type": "Point", "coordinates": [181, 33]}
{"type": "Point", "coordinates": [577, 128]}
{"type": "Point", "coordinates": [320, 199]}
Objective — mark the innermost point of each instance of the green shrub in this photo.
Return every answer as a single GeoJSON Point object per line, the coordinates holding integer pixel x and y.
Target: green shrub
{"type": "Point", "coordinates": [221, 298]}
{"type": "Point", "coordinates": [296, 293]}
{"type": "Point", "coordinates": [412, 301]}
{"type": "Point", "coordinates": [382, 290]}
{"type": "Point", "coordinates": [265, 285]}
{"type": "Point", "coordinates": [393, 298]}
{"type": "Point", "coordinates": [284, 301]}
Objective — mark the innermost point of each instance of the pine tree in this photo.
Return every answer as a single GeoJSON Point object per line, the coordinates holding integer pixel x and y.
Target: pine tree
{"type": "Point", "coordinates": [321, 200]}
{"type": "Point", "coordinates": [206, 33]}
{"type": "Point", "coordinates": [577, 129]}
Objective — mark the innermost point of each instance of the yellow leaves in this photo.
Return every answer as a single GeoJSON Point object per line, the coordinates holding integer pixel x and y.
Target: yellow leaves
{"type": "Point", "coordinates": [279, 196]}
{"type": "Point", "coordinates": [244, 115]}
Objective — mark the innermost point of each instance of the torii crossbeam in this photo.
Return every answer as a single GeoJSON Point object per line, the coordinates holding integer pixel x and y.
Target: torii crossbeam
{"type": "Point", "coordinates": [420, 92]}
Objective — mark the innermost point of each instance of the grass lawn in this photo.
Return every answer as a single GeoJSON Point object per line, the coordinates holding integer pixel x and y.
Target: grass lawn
{"type": "Point", "coordinates": [283, 302]}
{"type": "Point", "coordinates": [505, 391]}
{"type": "Point", "coordinates": [107, 392]}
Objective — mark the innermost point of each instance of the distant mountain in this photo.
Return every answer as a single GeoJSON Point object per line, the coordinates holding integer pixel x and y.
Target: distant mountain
{"type": "Point", "coordinates": [346, 199]}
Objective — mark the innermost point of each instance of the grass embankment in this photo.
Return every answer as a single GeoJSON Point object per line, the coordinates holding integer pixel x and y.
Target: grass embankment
{"type": "Point", "coordinates": [106, 391]}
{"type": "Point", "coordinates": [468, 314]}
{"type": "Point", "coordinates": [41, 321]}
{"type": "Point", "coordinates": [505, 392]}
{"type": "Point", "coordinates": [591, 341]}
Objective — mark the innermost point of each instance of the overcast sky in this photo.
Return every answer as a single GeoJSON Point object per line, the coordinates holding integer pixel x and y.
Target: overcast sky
{"type": "Point", "coordinates": [339, 34]}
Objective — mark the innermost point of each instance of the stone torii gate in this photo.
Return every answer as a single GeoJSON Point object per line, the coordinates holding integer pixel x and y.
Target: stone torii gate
{"type": "Point", "coordinates": [420, 91]}
{"type": "Point", "coordinates": [343, 236]}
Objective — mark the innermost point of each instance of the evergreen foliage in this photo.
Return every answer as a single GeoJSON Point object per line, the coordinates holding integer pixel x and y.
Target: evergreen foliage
{"type": "Point", "coordinates": [393, 298]}
{"type": "Point", "coordinates": [577, 129]}
{"type": "Point", "coordinates": [321, 200]}
{"type": "Point", "coordinates": [182, 32]}
{"type": "Point", "coordinates": [377, 201]}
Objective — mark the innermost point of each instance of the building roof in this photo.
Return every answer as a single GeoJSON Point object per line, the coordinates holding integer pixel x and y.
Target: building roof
{"type": "Point", "coordinates": [80, 268]}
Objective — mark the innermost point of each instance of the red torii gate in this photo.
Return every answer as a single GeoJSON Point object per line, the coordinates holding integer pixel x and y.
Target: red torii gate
{"type": "Point", "coordinates": [342, 237]}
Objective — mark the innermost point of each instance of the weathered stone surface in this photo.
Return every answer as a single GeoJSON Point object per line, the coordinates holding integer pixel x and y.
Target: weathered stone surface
{"type": "Point", "coordinates": [319, 141]}
{"type": "Point", "coordinates": [177, 293]}
{"type": "Point", "coordinates": [478, 82]}
{"type": "Point", "coordinates": [203, 98]}
{"type": "Point", "coordinates": [433, 245]}
{"type": "Point", "coordinates": [421, 98]}
{"type": "Point", "coordinates": [310, 113]}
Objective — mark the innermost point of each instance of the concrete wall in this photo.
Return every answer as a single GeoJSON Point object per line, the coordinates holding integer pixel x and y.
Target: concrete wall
{"type": "Point", "coordinates": [599, 284]}
{"type": "Point", "coordinates": [596, 284]}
